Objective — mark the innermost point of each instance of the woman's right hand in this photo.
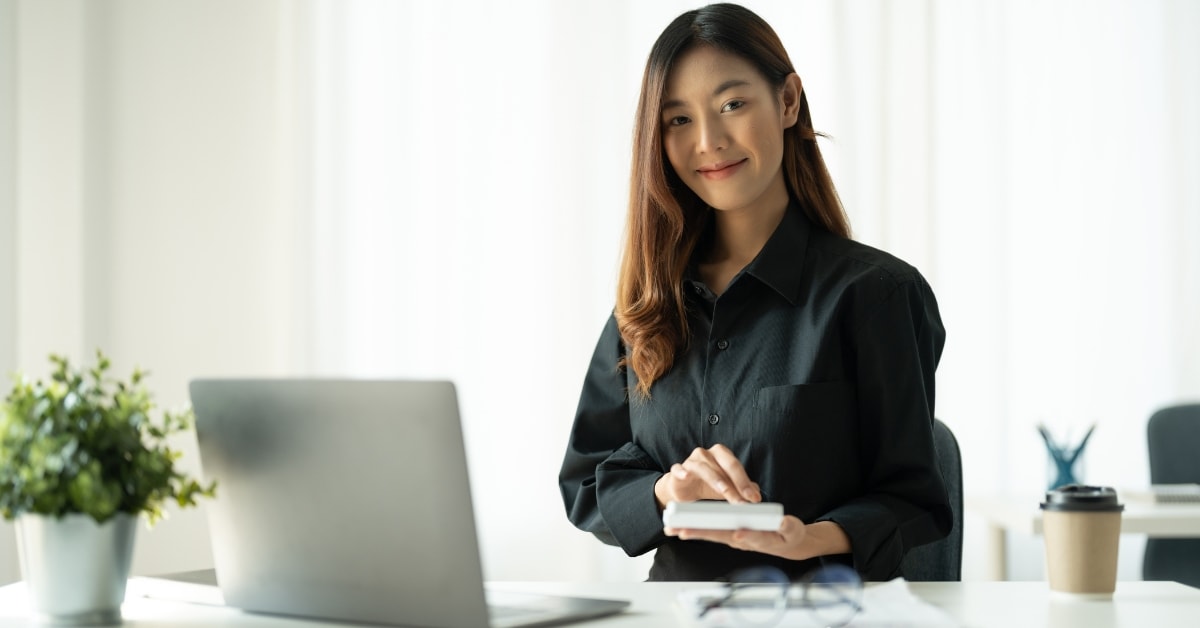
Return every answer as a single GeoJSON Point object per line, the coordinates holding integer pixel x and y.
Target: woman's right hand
{"type": "Point", "coordinates": [713, 473]}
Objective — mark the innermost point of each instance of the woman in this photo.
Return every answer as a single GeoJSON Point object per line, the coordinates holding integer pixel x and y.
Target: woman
{"type": "Point", "coordinates": [756, 353]}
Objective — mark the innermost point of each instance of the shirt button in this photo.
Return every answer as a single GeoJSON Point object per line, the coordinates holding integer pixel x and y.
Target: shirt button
{"type": "Point", "coordinates": [713, 419]}
{"type": "Point", "coordinates": [722, 344]}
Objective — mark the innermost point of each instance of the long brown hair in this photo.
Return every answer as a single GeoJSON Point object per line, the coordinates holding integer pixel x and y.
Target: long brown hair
{"type": "Point", "coordinates": [666, 219]}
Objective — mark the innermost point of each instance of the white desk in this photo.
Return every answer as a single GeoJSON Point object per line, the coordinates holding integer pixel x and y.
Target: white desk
{"type": "Point", "coordinates": [975, 604]}
{"type": "Point", "coordinates": [1016, 513]}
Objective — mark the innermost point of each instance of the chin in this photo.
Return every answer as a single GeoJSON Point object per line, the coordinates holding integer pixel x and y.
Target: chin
{"type": "Point", "coordinates": [724, 205]}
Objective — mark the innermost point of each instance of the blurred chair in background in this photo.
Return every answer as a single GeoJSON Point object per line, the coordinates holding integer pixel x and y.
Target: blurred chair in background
{"type": "Point", "coordinates": [941, 561]}
{"type": "Point", "coordinates": [1173, 437]}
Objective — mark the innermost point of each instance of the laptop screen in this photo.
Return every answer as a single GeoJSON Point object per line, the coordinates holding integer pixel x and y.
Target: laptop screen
{"type": "Point", "coordinates": [342, 499]}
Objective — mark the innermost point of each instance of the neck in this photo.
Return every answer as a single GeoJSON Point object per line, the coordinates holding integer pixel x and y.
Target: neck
{"type": "Point", "coordinates": [740, 235]}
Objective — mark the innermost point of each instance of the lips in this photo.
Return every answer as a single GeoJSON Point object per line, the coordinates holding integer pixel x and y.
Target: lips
{"type": "Point", "coordinates": [721, 169]}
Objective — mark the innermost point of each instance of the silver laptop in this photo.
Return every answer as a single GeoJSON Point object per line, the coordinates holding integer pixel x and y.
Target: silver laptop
{"type": "Point", "coordinates": [349, 500]}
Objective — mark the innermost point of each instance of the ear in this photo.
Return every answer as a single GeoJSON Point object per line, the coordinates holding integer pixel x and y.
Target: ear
{"type": "Point", "coordinates": [789, 99]}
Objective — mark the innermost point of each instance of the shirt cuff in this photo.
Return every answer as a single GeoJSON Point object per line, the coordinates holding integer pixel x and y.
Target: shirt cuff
{"type": "Point", "coordinates": [625, 497]}
{"type": "Point", "coordinates": [875, 544]}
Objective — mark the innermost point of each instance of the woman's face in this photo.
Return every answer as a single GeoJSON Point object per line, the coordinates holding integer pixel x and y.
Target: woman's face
{"type": "Point", "coordinates": [723, 128]}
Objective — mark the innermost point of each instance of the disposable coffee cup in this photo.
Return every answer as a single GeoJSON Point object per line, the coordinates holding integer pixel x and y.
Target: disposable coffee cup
{"type": "Point", "coordinates": [1082, 529]}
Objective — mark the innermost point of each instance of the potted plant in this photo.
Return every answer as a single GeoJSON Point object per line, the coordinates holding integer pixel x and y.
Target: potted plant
{"type": "Point", "coordinates": [81, 456]}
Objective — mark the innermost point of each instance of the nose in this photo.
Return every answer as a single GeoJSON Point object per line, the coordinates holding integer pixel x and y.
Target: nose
{"type": "Point", "coordinates": [712, 134]}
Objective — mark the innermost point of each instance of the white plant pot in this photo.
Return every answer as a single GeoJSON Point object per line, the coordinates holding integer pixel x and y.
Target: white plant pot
{"type": "Point", "coordinates": [75, 570]}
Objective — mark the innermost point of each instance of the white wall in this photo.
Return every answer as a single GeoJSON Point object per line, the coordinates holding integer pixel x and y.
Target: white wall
{"type": "Point", "coordinates": [154, 214]}
{"type": "Point", "coordinates": [8, 571]}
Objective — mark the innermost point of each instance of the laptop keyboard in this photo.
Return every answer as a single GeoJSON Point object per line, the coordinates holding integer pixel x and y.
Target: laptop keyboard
{"type": "Point", "coordinates": [1176, 493]}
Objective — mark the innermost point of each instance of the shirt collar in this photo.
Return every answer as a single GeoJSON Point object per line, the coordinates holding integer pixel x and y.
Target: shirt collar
{"type": "Point", "coordinates": [781, 261]}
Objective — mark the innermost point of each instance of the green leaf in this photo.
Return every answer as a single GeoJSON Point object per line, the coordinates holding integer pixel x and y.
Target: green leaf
{"type": "Point", "coordinates": [87, 443]}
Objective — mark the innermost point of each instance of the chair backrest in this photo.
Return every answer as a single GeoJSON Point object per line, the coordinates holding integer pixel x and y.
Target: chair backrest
{"type": "Point", "coordinates": [1173, 437]}
{"type": "Point", "coordinates": [941, 561]}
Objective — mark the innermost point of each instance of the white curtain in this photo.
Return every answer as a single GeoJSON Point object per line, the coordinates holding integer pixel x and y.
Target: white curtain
{"type": "Point", "coordinates": [1035, 160]}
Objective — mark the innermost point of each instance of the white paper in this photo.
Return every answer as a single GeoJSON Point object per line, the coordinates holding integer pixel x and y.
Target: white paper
{"type": "Point", "coordinates": [889, 604]}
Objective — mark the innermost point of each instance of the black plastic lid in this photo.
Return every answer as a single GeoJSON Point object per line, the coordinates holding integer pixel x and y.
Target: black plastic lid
{"type": "Point", "coordinates": [1081, 498]}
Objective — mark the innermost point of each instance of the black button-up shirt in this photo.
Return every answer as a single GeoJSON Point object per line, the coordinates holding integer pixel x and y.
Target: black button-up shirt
{"type": "Point", "coordinates": [816, 368]}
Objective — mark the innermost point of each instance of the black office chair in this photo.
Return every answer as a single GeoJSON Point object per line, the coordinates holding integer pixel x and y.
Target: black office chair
{"type": "Point", "coordinates": [941, 561]}
{"type": "Point", "coordinates": [1173, 437]}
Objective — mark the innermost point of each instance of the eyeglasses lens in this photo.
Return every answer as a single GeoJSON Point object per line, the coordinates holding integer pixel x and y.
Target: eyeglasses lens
{"type": "Point", "coordinates": [758, 597]}
{"type": "Point", "coordinates": [833, 594]}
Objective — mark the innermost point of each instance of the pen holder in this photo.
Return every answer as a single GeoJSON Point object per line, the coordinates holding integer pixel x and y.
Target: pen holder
{"type": "Point", "coordinates": [1064, 457]}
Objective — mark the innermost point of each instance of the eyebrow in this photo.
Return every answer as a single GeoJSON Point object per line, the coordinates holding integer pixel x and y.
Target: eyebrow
{"type": "Point", "coordinates": [727, 85]}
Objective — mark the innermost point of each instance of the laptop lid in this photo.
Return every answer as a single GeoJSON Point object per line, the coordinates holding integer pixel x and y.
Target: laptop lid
{"type": "Point", "coordinates": [343, 499]}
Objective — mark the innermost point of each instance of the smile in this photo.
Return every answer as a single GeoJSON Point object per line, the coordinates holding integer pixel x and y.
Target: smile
{"type": "Point", "coordinates": [721, 169]}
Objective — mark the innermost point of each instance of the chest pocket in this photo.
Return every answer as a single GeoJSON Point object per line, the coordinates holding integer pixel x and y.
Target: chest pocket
{"type": "Point", "coordinates": [809, 432]}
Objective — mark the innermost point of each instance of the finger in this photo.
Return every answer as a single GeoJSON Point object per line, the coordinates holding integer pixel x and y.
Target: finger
{"type": "Point", "coordinates": [733, 469]}
{"type": "Point", "coordinates": [736, 473]}
{"type": "Point", "coordinates": [790, 526]}
{"type": "Point", "coordinates": [784, 542]}
{"type": "Point", "coordinates": [694, 534]}
{"type": "Point", "coordinates": [756, 541]}
{"type": "Point", "coordinates": [679, 484]}
{"type": "Point", "coordinates": [705, 468]}
{"type": "Point", "coordinates": [679, 472]}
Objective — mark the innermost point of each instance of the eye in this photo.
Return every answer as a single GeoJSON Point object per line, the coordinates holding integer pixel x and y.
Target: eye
{"type": "Point", "coordinates": [678, 120]}
{"type": "Point", "coordinates": [733, 104]}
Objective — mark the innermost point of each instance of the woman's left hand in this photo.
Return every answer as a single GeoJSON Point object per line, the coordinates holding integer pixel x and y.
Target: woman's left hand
{"type": "Point", "coordinates": [786, 542]}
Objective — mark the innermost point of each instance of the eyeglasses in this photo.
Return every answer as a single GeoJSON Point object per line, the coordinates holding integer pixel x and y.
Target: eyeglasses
{"type": "Point", "coordinates": [760, 596]}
